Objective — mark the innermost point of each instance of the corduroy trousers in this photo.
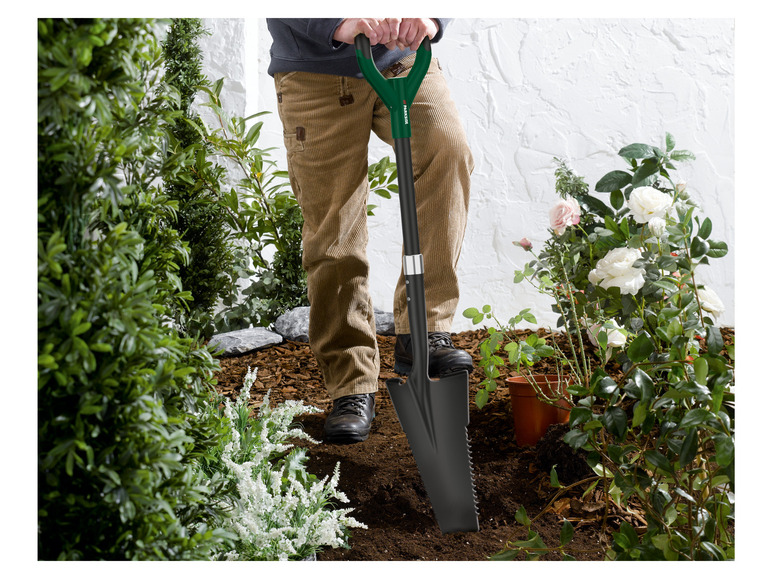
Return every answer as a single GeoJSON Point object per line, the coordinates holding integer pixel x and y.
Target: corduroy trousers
{"type": "Point", "coordinates": [327, 122]}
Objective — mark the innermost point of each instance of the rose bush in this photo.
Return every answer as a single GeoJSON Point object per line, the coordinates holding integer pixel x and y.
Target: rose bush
{"type": "Point", "coordinates": [655, 409]}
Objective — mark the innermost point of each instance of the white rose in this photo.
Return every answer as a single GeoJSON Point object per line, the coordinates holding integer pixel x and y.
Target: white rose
{"type": "Point", "coordinates": [615, 338]}
{"type": "Point", "coordinates": [617, 269]}
{"type": "Point", "coordinates": [647, 202]}
{"type": "Point", "coordinates": [710, 302]}
{"type": "Point", "coordinates": [657, 226]}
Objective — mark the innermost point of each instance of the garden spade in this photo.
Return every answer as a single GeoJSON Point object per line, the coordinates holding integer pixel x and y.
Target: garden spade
{"type": "Point", "coordinates": [434, 414]}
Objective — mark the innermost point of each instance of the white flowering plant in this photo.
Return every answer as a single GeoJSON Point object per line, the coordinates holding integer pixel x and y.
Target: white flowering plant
{"type": "Point", "coordinates": [280, 511]}
{"type": "Point", "coordinates": [655, 408]}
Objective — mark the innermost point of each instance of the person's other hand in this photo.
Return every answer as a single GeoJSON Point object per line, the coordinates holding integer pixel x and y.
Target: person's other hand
{"type": "Point", "coordinates": [378, 30]}
{"type": "Point", "coordinates": [412, 31]}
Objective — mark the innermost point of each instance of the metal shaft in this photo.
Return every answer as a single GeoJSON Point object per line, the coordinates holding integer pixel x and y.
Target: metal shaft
{"type": "Point", "coordinates": [413, 268]}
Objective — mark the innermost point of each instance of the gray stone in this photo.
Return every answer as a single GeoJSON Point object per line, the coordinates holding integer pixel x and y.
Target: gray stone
{"type": "Point", "coordinates": [384, 323]}
{"type": "Point", "coordinates": [242, 341]}
{"type": "Point", "coordinates": [294, 324]}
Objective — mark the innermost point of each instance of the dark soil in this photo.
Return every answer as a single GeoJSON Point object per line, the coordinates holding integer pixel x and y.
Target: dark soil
{"type": "Point", "coordinates": [382, 482]}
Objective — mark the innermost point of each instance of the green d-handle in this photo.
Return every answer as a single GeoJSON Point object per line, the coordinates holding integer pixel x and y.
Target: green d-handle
{"type": "Point", "coordinates": [396, 93]}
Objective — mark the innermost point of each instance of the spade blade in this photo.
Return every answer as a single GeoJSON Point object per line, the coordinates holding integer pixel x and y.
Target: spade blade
{"type": "Point", "coordinates": [434, 415]}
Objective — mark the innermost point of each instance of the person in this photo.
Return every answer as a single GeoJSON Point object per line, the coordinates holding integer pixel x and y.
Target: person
{"type": "Point", "coordinates": [328, 111]}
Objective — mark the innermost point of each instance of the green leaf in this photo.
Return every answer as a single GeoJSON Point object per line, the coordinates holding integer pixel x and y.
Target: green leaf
{"type": "Point", "coordinates": [717, 249]}
{"type": "Point", "coordinates": [645, 174]}
{"type": "Point", "coordinates": [615, 421]}
{"type": "Point", "coordinates": [505, 555]}
{"type": "Point", "coordinates": [695, 417]}
{"type": "Point", "coordinates": [566, 533]}
{"type": "Point", "coordinates": [535, 542]}
{"type": "Point", "coordinates": [554, 481]}
{"type": "Point", "coordinates": [579, 415]}
{"type": "Point", "coordinates": [699, 247]}
{"type": "Point", "coordinates": [714, 340]}
{"type": "Point", "coordinates": [617, 200]}
{"type": "Point", "coordinates": [724, 449]}
{"type": "Point", "coordinates": [576, 438]}
{"type": "Point", "coordinates": [626, 538]}
{"type": "Point", "coordinates": [641, 348]}
{"type": "Point", "coordinates": [705, 229]}
{"type": "Point", "coordinates": [682, 155]}
{"type": "Point", "coordinates": [522, 517]}
{"type": "Point", "coordinates": [481, 398]}
{"type": "Point", "coordinates": [640, 413]}
{"type": "Point", "coordinates": [613, 181]}
{"type": "Point", "coordinates": [658, 460]}
{"type": "Point", "coordinates": [645, 385]}
{"type": "Point", "coordinates": [669, 142]}
{"type": "Point", "coordinates": [637, 151]}
{"type": "Point", "coordinates": [688, 448]}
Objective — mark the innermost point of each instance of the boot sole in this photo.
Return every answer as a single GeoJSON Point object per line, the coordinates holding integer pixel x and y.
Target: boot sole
{"type": "Point", "coordinates": [348, 438]}
{"type": "Point", "coordinates": [404, 369]}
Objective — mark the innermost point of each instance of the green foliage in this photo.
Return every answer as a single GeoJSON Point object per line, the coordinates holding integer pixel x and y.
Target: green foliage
{"type": "Point", "coordinates": [660, 426]}
{"type": "Point", "coordinates": [120, 430]}
{"type": "Point", "coordinates": [382, 178]}
{"type": "Point", "coordinates": [209, 272]}
{"type": "Point", "coordinates": [519, 352]}
{"type": "Point", "coordinates": [265, 221]}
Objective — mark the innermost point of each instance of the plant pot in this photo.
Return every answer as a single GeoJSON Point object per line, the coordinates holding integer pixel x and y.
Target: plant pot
{"type": "Point", "coordinates": [532, 416]}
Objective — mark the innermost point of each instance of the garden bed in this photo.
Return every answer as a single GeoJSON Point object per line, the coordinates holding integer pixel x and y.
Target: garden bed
{"type": "Point", "coordinates": [382, 481]}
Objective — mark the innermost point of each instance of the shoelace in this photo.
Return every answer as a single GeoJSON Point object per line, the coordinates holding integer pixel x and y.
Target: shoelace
{"type": "Point", "coordinates": [440, 340]}
{"type": "Point", "coordinates": [352, 405]}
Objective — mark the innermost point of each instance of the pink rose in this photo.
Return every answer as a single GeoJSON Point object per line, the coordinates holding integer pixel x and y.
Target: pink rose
{"type": "Point", "coordinates": [524, 243]}
{"type": "Point", "coordinates": [565, 213]}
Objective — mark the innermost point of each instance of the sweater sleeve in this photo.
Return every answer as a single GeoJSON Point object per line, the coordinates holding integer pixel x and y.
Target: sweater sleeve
{"type": "Point", "coordinates": [319, 30]}
{"type": "Point", "coordinates": [442, 24]}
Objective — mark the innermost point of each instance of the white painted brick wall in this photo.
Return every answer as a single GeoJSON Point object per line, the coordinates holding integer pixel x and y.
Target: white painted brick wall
{"type": "Point", "coordinates": [529, 90]}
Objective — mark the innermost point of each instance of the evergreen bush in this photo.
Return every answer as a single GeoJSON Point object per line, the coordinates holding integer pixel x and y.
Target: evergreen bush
{"type": "Point", "coordinates": [121, 397]}
{"type": "Point", "coordinates": [210, 273]}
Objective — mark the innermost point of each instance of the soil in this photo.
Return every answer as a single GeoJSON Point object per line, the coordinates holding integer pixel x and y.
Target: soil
{"type": "Point", "coordinates": [382, 482]}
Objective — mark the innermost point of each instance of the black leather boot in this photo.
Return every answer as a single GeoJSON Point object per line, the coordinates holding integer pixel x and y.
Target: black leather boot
{"type": "Point", "coordinates": [350, 419]}
{"type": "Point", "coordinates": [444, 358]}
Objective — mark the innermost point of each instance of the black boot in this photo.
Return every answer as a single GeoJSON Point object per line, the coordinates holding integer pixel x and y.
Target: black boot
{"type": "Point", "coordinates": [350, 419]}
{"type": "Point", "coordinates": [444, 358]}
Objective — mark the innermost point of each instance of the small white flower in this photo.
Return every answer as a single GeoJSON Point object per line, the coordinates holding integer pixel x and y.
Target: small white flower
{"type": "Point", "coordinates": [710, 302]}
{"type": "Point", "coordinates": [657, 226]}
{"type": "Point", "coordinates": [614, 336]}
{"type": "Point", "coordinates": [647, 203]}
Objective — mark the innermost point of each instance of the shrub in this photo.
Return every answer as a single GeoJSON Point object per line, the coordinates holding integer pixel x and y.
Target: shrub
{"type": "Point", "coordinates": [264, 219]}
{"type": "Point", "coordinates": [120, 431]}
{"type": "Point", "coordinates": [284, 512]}
{"type": "Point", "coordinates": [655, 410]}
{"type": "Point", "coordinates": [209, 272]}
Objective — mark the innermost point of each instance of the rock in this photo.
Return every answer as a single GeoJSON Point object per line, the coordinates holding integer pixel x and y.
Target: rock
{"type": "Point", "coordinates": [243, 341]}
{"type": "Point", "coordinates": [294, 324]}
{"type": "Point", "coordinates": [384, 323]}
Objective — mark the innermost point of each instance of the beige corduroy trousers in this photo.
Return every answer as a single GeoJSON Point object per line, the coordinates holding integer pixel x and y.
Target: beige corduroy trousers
{"type": "Point", "coordinates": [327, 122]}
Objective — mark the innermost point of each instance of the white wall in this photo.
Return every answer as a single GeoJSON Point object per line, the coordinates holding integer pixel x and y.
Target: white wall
{"type": "Point", "coordinates": [529, 90]}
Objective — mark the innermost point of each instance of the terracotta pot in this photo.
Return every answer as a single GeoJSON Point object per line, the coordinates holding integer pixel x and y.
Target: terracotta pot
{"type": "Point", "coordinates": [532, 416]}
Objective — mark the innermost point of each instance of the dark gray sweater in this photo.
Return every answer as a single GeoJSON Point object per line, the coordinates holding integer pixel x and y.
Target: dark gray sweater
{"type": "Point", "coordinates": [306, 44]}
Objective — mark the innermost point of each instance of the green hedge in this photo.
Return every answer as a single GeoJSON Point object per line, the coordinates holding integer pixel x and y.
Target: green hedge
{"type": "Point", "coordinates": [120, 393]}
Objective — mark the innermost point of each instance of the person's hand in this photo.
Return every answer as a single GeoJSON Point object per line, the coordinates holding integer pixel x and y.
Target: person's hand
{"type": "Point", "coordinates": [378, 30]}
{"type": "Point", "coordinates": [412, 31]}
